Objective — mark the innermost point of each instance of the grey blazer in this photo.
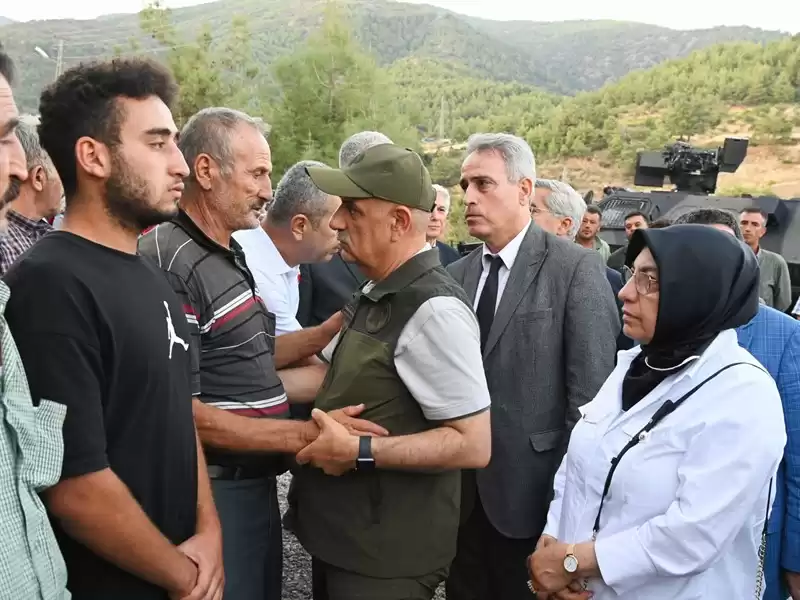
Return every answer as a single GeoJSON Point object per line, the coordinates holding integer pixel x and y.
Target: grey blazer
{"type": "Point", "coordinates": [551, 347]}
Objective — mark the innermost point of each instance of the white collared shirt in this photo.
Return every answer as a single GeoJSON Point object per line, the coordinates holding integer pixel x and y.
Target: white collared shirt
{"type": "Point", "coordinates": [508, 255]}
{"type": "Point", "coordinates": [686, 506]}
{"type": "Point", "coordinates": [278, 283]}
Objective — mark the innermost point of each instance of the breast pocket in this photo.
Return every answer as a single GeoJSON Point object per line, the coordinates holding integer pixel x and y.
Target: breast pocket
{"type": "Point", "coordinates": [534, 317]}
{"type": "Point", "coordinates": [648, 473]}
{"type": "Point", "coordinates": [584, 445]}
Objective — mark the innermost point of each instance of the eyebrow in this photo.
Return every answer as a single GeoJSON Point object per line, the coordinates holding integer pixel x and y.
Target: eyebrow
{"type": "Point", "coordinates": [10, 126]}
{"type": "Point", "coordinates": [161, 131]}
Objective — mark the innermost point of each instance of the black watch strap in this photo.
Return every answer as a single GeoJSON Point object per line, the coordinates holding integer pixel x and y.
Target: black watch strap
{"type": "Point", "coordinates": [365, 461]}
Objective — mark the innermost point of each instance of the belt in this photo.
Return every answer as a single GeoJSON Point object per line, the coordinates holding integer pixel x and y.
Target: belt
{"type": "Point", "coordinates": [238, 473]}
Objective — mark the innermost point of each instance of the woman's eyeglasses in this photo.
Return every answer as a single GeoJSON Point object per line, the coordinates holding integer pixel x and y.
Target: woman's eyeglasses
{"type": "Point", "coordinates": [642, 281]}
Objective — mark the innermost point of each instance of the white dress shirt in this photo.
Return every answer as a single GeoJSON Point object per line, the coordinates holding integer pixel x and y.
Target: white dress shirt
{"type": "Point", "coordinates": [277, 283]}
{"type": "Point", "coordinates": [508, 255]}
{"type": "Point", "coordinates": [438, 358]}
{"type": "Point", "coordinates": [686, 507]}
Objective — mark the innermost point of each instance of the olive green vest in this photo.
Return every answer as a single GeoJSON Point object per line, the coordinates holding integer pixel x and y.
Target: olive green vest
{"type": "Point", "coordinates": [387, 523]}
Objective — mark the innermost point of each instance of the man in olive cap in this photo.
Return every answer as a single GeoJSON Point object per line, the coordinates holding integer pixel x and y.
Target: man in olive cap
{"type": "Point", "coordinates": [380, 515]}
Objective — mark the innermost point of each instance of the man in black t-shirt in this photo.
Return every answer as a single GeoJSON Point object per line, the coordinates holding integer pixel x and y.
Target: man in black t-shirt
{"type": "Point", "coordinates": [100, 331]}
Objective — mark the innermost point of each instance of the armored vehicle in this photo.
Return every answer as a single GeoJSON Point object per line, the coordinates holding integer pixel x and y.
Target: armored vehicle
{"type": "Point", "coordinates": [694, 173]}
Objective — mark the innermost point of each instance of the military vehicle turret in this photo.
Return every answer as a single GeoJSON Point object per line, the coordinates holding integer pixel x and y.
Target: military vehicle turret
{"type": "Point", "coordinates": [694, 174]}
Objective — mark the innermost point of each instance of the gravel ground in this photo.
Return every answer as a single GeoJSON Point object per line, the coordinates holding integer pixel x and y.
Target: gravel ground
{"type": "Point", "coordinates": [296, 563]}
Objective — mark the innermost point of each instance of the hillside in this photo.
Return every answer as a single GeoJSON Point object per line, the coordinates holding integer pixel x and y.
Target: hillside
{"type": "Point", "coordinates": [585, 55]}
{"type": "Point", "coordinates": [562, 58]}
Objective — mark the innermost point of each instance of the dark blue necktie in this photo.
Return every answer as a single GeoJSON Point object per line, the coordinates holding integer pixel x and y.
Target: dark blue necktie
{"type": "Point", "coordinates": [488, 301]}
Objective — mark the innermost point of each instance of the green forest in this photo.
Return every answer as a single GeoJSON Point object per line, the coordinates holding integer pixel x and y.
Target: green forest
{"type": "Point", "coordinates": [330, 86]}
{"type": "Point", "coordinates": [560, 57]}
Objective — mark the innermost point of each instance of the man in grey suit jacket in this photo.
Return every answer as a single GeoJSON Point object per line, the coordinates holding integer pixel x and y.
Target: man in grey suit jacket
{"type": "Point", "coordinates": [548, 326]}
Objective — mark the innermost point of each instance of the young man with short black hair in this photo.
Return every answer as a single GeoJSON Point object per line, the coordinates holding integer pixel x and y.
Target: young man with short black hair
{"type": "Point", "coordinates": [590, 227]}
{"type": "Point", "coordinates": [633, 220]}
{"type": "Point", "coordinates": [101, 332]}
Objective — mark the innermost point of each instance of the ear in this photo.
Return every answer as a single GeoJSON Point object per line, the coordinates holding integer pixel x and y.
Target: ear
{"type": "Point", "coordinates": [566, 223]}
{"type": "Point", "coordinates": [205, 171]}
{"type": "Point", "coordinates": [38, 178]}
{"type": "Point", "coordinates": [402, 222]}
{"type": "Point", "coordinates": [525, 191]}
{"type": "Point", "coordinates": [93, 157]}
{"type": "Point", "coordinates": [299, 226]}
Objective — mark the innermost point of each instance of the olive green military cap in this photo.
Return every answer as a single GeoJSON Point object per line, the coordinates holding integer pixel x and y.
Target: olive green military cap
{"type": "Point", "coordinates": [386, 171]}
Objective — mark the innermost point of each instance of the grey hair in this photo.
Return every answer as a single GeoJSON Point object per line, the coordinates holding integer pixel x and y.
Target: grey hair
{"type": "Point", "coordinates": [712, 216]}
{"type": "Point", "coordinates": [444, 192]}
{"type": "Point", "coordinates": [564, 201]}
{"type": "Point", "coordinates": [209, 132]}
{"type": "Point", "coordinates": [357, 143]}
{"type": "Point", "coordinates": [296, 194]}
{"type": "Point", "coordinates": [517, 154]}
{"type": "Point", "coordinates": [28, 136]}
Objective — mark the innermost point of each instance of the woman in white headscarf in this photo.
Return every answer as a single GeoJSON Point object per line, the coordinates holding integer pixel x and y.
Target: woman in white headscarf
{"type": "Point", "coordinates": [665, 487]}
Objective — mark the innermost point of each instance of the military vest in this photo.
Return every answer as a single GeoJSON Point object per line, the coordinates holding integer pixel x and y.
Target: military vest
{"type": "Point", "coordinates": [386, 523]}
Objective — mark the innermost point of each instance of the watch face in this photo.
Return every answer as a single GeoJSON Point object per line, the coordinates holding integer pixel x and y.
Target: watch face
{"type": "Point", "coordinates": [570, 564]}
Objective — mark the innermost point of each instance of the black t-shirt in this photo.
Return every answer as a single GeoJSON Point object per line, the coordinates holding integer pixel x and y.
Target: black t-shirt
{"type": "Point", "coordinates": [102, 332]}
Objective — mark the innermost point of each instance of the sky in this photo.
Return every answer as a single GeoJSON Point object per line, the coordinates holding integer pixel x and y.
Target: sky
{"type": "Point", "coordinates": [782, 15]}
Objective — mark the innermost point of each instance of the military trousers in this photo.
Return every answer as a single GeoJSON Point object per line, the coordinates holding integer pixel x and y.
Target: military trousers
{"type": "Point", "coordinates": [332, 583]}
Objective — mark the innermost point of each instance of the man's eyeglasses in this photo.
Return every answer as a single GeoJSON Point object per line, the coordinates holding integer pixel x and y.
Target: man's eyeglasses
{"type": "Point", "coordinates": [535, 210]}
{"type": "Point", "coordinates": [642, 281]}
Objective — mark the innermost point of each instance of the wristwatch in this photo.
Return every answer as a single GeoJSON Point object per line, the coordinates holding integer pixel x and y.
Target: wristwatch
{"type": "Point", "coordinates": [570, 560]}
{"type": "Point", "coordinates": [365, 461]}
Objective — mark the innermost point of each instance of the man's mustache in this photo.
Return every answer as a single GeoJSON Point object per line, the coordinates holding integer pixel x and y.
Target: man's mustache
{"type": "Point", "coordinates": [14, 186]}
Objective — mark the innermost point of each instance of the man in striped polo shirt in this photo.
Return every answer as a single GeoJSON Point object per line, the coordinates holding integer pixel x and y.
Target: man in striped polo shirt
{"type": "Point", "coordinates": [240, 403]}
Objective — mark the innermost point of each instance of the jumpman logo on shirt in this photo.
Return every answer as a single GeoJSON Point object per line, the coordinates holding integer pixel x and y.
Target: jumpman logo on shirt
{"type": "Point", "coordinates": [171, 335]}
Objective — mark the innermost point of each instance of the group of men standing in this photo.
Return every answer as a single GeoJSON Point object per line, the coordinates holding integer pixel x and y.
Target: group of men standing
{"type": "Point", "coordinates": [175, 385]}
{"type": "Point", "coordinates": [156, 385]}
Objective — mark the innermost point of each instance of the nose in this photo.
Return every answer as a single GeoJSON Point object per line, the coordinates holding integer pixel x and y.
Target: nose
{"type": "Point", "coordinates": [628, 292]}
{"type": "Point", "coordinates": [470, 195]}
{"type": "Point", "coordinates": [338, 220]}
{"type": "Point", "coordinates": [179, 166]}
{"type": "Point", "coordinates": [266, 189]}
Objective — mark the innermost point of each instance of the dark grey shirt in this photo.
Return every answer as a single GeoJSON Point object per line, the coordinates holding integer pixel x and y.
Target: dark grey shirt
{"type": "Point", "coordinates": [775, 288]}
{"type": "Point", "coordinates": [232, 332]}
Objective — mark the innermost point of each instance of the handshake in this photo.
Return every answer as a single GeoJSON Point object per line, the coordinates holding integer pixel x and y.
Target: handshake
{"type": "Point", "coordinates": [332, 439]}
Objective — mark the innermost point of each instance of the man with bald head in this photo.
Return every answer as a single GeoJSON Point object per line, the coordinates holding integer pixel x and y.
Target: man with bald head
{"type": "Point", "coordinates": [380, 515]}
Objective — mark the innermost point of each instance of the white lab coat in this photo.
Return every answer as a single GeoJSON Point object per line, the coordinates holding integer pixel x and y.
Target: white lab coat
{"type": "Point", "coordinates": [686, 506]}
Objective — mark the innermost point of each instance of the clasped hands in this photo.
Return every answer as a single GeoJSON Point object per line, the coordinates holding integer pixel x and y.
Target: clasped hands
{"type": "Point", "coordinates": [334, 439]}
{"type": "Point", "coordinates": [549, 578]}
